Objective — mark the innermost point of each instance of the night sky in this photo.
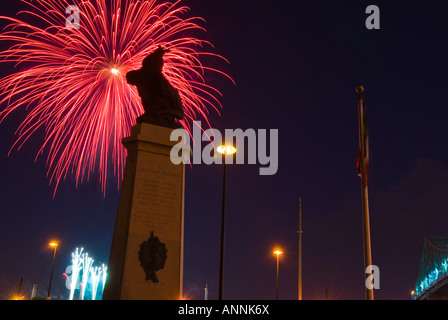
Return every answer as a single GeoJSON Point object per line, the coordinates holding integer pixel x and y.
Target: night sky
{"type": "Point", "coordinates": [296, 65]}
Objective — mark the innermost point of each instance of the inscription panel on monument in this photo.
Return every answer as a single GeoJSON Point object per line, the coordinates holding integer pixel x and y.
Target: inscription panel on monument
{"type": "Point", "coordinates": [157, 207]}
{"type": "Point", "coordinates": [158, 191]}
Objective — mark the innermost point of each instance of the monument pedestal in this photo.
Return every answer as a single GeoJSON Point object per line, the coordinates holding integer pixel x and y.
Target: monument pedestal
{"type": "Point", "coordinates": [146, 258]}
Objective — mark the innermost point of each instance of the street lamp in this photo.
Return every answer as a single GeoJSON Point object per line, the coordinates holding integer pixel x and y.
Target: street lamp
{"type": "Point", "coordinates": [278, 253]}
{"type": "Point", "coordinates": [224, 150]}
{"type": "Point", "coordinates": [54, 245]}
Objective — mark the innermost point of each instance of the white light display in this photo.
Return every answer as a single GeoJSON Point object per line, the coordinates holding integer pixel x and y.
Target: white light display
{"type": "Point", "coordinates": [85, 277]}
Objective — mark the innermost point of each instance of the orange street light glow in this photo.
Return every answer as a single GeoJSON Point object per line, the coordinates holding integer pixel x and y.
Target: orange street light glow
{"type": "Point", "coordinates": [226, 149]}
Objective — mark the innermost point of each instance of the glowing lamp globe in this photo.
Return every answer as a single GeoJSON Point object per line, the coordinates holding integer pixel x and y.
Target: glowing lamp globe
{"type": "Point", "coordinates": [225, 149]}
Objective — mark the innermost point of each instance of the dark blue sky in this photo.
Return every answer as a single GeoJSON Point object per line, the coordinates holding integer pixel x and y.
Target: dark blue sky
{"type": "Point", "coordinates": [296, 66]}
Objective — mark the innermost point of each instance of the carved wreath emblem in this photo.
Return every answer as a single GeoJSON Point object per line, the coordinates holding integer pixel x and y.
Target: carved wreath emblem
{"type": "Point", "coordinates": [152, 255]}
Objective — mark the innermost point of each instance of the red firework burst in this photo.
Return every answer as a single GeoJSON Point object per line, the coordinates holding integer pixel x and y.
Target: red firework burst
{"type": "Point", "coordinates": [76, 88]}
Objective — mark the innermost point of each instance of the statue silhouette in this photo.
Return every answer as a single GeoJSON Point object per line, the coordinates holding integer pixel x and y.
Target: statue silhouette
{"type": "Point", "coordinates": [160, 99]}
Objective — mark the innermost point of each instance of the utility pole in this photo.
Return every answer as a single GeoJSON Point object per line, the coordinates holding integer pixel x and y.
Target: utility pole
{"type": "Point", "coordinates": [300, 251]}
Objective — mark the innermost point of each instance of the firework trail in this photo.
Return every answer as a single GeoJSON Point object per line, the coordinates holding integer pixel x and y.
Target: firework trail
{"type": "Point", "coordinates": [98, 274]}
{"type": "Point", "coordinates": [95, 274]}
{"type": "Point", "coordinates": [76, 269]}
{"type": "Point", "coordinates": [104, 277]}
{"type": "Point", "coordinates": [72, 81]}
{"type": "Point", "coordinates": [86, 265]}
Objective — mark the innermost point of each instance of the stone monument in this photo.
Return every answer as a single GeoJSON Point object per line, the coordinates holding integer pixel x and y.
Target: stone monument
{"type": "Point", "coordinates": [146, 257]}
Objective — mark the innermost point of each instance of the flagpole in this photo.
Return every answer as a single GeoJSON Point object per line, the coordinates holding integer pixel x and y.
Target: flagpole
{"type": "Point", "coordinates": [365, 195]}
{"type": "Point", "coordinates": [300, 251]}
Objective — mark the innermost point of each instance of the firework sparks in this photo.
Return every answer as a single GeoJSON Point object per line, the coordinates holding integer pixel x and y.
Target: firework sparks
{"type": "Point", "coordinates": [86, 265]}
{"type": "Point", "coordinates": [73, 83]}
{"type": "Point", "coordinates": [98, 274]}
{"type": "Point", "coordinates": [76, 268]}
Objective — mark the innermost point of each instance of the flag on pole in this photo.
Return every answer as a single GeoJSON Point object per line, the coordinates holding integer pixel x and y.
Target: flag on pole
{"type": "Point", "coordinates": [366, 145]}
{"type": "Point", "coordinates": [362, 161]}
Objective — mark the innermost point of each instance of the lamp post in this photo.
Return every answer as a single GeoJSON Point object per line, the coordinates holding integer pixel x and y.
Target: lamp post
{"type": "Point", "coordinates": [54, 245]}
{"type": "Point", "coordinates": [278, 253]}
{"type": "Point", "coordinates": [223, 150]}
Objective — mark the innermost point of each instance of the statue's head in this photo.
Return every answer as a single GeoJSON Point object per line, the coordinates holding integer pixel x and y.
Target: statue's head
{"type": "Point", "coordinates": [155, 59]}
